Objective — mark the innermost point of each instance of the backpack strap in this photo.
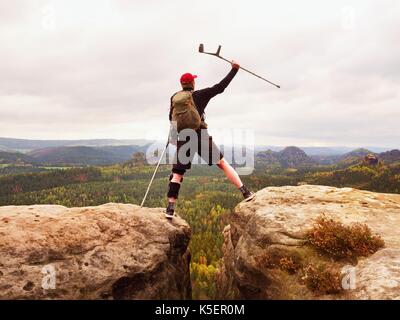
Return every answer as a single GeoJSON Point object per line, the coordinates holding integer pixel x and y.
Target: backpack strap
{"type": "Point", "coordinates": [201, 115]}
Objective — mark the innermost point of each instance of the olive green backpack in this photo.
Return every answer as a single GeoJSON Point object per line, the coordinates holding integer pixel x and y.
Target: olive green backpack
{"type": "Point", "coordinates": [184, 111]}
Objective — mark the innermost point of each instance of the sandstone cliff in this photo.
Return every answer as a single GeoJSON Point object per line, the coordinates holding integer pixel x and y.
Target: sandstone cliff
{"type": "Point", "coordinates": [113, 251]}
{"type": "Point", "coordinates": [273, 227]}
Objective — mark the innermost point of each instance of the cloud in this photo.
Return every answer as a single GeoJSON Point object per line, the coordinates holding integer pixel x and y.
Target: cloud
{"type": "Point", "coordinates": [106, 69]}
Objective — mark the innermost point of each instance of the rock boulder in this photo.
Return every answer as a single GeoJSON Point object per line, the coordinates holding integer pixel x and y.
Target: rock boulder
{"type": "Point", "coordinates": [275, 224]}
{"type": "Point", "coordinates": [112, 251]}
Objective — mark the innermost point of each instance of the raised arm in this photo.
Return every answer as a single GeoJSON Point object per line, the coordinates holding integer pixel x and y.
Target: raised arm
{"type": "Point", "coordinates": [221, 86]}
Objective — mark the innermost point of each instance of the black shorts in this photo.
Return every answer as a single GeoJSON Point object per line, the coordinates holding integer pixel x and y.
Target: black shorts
{"type": "Point", "coordinates": [204, 147]}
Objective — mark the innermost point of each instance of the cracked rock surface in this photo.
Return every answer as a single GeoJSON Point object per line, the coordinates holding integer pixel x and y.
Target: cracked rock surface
{"type": "Point", "coordinates": [274, 224]}
{"type": "Point", "coordinates": [112, 251]}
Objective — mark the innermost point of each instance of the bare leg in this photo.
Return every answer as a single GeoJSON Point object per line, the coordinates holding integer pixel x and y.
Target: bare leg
{"type": "Point", "coordinates": [230, 173]}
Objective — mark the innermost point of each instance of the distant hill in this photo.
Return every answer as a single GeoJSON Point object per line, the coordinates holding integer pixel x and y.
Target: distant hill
{"type": "Point", "coordinates": [357, 156]}
{"type": "Point", "coordinates": [289, 157]}
{"type": "Point", "coordinates": [83, 155]}
{"type": "Point", "coordinates": [322, 152]}
{"type": "Point", "coordinates": [353, 157]}
{"type": "Point", "coordinates": [294, 157]}
{"type": "Point", "coordinates": [73, 155]}
{"type": "Point", "coordinates": [14, 158]}
{"type": "Point", "coordinates": [123, 152]}
{"type": "Point", "coordinates": [360, 152]}
{"type": "Point", "coordinates": [326, 159]}
{"type": "Point", "coordinates": [268, 157]}
{"type": "Point", "coordinates": [108, 151]}
{"type": "Point", "coordinates": [26, 145]}
{"type": "Point", "coordinates": [390, 157]}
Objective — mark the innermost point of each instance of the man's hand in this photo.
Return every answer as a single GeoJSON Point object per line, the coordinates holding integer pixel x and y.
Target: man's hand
{"type": "Point", "coordinates": [235, 65]}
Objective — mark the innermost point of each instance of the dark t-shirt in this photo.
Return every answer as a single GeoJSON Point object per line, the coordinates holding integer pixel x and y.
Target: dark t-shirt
{"type": "Point", "coordinates": [203, 96]}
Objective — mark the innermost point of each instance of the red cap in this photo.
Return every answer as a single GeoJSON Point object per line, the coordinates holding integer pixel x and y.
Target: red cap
{"type": "Point", "coordinates": [188, 77]}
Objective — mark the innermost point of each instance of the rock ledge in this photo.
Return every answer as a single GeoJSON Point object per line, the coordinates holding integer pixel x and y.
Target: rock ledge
{"type": "Point", "coordinates": [274, 225]}
{"type": "Point", "coordinates": [112, 251]}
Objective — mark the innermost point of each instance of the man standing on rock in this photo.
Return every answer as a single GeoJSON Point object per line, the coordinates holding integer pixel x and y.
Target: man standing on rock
{"type": "Point", "coordinates": [191, 135]}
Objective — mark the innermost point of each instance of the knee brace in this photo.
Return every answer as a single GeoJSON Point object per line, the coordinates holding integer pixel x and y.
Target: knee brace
{"type": "Point", "coordinates": [173, 190]}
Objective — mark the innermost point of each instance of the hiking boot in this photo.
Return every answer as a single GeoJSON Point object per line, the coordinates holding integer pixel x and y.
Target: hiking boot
{"type": "Point", "coordinates": [247, 194]}
{"type": "Point", "coordinates": [170, 211]}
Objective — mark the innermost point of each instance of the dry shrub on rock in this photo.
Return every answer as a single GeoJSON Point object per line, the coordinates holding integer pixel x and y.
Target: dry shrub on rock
{"type": "Point", "coordinates": [341, 241]}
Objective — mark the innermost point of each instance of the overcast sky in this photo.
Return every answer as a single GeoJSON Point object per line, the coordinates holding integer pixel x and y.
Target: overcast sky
{"type": "Point", "coordinates": [106, 69]}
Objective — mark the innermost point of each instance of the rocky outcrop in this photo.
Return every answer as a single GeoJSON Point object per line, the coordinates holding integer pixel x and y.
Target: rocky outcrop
{"type": "Point", "coordinates": [112, 251]}
{"type": "Point", "coordinates": [274, 225]}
